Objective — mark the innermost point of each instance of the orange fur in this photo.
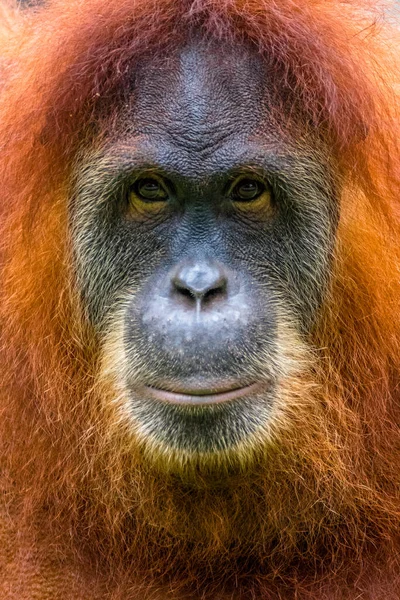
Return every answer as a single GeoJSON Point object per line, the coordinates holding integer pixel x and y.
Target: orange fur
{"type": "Point", "coordinates": [84, 517]}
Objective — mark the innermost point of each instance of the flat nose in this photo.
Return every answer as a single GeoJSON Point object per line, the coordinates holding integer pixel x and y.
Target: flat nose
{"type": "Point", "coordinates": [200, 282]}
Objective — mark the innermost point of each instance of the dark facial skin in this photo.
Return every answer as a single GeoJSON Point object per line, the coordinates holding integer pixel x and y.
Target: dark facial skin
{"type": "Point", "coordinates": [201, 232]}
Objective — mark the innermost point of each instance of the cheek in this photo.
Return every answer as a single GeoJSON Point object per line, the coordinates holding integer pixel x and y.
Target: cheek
{"type": "Point", "coordinates": [294, 258]}
{"type": "Point", "coordinates": [110, 261]}
{"type": "Point", "coordinates": [308, 264]}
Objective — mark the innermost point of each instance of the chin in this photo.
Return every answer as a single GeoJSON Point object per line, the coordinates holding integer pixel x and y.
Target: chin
{"type": "Point", "coordinates": [182, 429]}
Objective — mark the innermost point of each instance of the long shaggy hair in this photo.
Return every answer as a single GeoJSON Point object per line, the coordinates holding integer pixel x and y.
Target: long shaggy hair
{"type": "Point", "coordinates": [319, 508]}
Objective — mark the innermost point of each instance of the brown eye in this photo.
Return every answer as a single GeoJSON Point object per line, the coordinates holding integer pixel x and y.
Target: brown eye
{"type": "Point", "coordinates": [252, 198]}
{"type": "Point", "coordinates": [147, 197]}
{"type": "Point", "coordinates": [149, 190]}
{"type": "Point", "coordinates": [247, 190]}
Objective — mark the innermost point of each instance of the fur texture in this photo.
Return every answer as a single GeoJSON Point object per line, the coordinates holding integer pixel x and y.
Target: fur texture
{"type": "Point", "coordinates": [84, 517]}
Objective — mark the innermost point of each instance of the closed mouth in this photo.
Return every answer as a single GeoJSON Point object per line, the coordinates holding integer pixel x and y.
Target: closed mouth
{"type": "Point", "coordinates": [201, 397]}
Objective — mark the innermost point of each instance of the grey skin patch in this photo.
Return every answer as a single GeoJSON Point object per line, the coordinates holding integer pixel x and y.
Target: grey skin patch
{"type": "Point", "coordinates": [198, 120]}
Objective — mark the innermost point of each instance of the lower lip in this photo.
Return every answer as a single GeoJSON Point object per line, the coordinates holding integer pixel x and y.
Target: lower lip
{"type": "Point", "coordinates": [200, 399]}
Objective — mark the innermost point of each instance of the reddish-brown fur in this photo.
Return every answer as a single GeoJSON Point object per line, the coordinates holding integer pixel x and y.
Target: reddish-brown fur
{"type": "Point", "coordinates": [84, 517]}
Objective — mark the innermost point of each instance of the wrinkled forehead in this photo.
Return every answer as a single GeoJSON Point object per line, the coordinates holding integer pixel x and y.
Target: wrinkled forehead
{"type": "Point", "coordinates": [205, 92]}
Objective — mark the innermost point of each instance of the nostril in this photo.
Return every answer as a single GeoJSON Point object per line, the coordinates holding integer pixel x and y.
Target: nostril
{"type": "Point", "coordinates": [209, 295]}
{"type": "Point", "coordinates": [185, 291]}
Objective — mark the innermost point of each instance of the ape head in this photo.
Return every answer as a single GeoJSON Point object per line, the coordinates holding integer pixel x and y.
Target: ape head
{"type": "Point", "coordinates": [198, 331]}
{"type": "Point", "coordinates": [200, 294]}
